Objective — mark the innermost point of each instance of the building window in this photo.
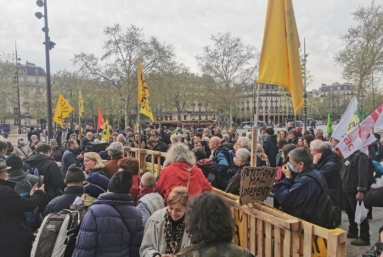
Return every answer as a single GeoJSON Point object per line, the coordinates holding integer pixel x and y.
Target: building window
{"type": "Point", "coordinates": [37, 80]}
{"type": "Point", "coordinates": [185, 117]}
{"type": "Point", "coordinates": [27, 110]}
{"type": "Point", "coordinates": [27, 121]}
{"type": "Point", "coordinates": [15, 110]}
{"type": "Point", "coordinates": [15, 122]}
{"type": "Point", "coordinates": [37, 90]}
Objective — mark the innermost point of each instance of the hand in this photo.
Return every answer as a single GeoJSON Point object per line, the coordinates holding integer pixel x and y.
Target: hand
{"type": "Point", "coordinates": [317, 158]}
{"type": "Point", "coordinates": [360, 196]}
{"type": "Point", "coordinates": [286, 171]}
{"type": "Point", "coordinates": [80, 156]}
{"type": "Point", "coordinates": [35, 187]}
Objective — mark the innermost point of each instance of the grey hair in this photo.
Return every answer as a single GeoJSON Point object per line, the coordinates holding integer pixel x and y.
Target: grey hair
{"type": "Point", "coordinates": [243, 154]}
{"type": "Point", "coordinates": [180, 153]}
{"type": "Point", "coordinates": [316, 145]}
{"type": "Point", "coordinates": [174, 137]}
{"type": "Point", "coordinates": [148, 180]}
{"type": "Point", "coordinates": [34, 136]}
{"type": "Point", "coordinates": [226, 136]}
{"type": "Point", "coordinates": [245, 142]}
{"type": "Point", "coordinates": [115, 149]}
{"type": "Point", "coordinates": [319, 131]}
{"type": "Point", "coordinates": [301, 155]}
{"type": "Point", "coordinates": [120, 135]}
{"type": "Point", "coordinates": [329, 145]}
{"type": "Point", "coordinates": [206, 139]}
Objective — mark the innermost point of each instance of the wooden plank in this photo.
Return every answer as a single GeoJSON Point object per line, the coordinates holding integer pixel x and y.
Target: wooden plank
{"type": "Point", "coordinates": [245, 218]}
{"type": "Point", "coordinates": [268, 239]}
{"type": "Point", "coordinates": [341, 242]}
{"type": "Point", "coordinates": [253, 234]}
{"type": "Point", "coordinates": [277, 242]}
{"type": "Point", "coordinates": [296, 243]}
{"type": "Point", "coordinates": [259, 237]}
{"type": "Point", "coordinates": [287, 244]}
{"type": "Point", "coordinates": [308, 237]}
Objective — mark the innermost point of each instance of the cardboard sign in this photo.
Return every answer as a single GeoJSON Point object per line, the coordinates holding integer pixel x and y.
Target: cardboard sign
{"type": "Point", "coordinates": [256, 183]}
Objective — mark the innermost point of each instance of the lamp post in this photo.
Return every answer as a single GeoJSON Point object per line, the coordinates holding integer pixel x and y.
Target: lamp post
{"type": "Point", "coordinates": [16, 82]}
{"type": "Point", "coordinates": [48, 46]}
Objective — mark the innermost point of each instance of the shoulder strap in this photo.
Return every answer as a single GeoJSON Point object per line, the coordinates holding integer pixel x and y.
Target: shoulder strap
{"type": "Point", "coordinates": [316, 179]}
{"type": "Point", "coordinates": [22, 151]}
{"type": "Point", "coordinates": [121, 217]}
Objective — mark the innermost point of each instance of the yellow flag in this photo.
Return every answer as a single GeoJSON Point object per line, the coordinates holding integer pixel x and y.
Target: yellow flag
{"type": "Point", "coordinates": [63, 109]}
{"type": "Point", "coordinates": [143, 93]}
{"type": "Point", "coordinates": [106, 131]}
{"type": "Point", "coordinates": [80, 104]}
{"type": "Point", "coordinates": [280, 63]}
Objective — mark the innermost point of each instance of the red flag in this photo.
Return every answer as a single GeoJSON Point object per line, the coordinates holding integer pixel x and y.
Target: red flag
{"type": "Point", "coordinates": [100, 119]}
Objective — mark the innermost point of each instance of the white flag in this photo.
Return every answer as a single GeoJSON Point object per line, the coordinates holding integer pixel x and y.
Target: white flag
{"type": "Point", "coordinates": [350, 120]}
{"type": "Point", "coordinates": [361, 136]}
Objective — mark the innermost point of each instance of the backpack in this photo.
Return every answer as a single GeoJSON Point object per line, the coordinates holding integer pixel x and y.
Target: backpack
{"type": "Point", "coordinates": [327, 213]}
{"type": "Point", "coordinates": [57, 234]}
{"type": "Point", "coordinates": [33, 170]}
{"type": "Point", "coordinates": [229, 154]}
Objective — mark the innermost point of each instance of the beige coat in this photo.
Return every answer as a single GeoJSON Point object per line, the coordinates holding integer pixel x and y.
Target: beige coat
{"type": "Point", "coordinates": [154, 239]}
{"type": "Point", "coordinates": [23, 151]}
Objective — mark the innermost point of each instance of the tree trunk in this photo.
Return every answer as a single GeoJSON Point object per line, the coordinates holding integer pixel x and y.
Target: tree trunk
{"type": "Point", "coordinates": [230, 117]}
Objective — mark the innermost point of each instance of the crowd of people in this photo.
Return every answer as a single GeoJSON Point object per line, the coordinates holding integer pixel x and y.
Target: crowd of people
{"type": "Point", "coordinates": [174, 214]}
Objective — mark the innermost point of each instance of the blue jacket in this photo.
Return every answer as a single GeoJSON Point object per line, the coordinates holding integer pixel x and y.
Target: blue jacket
{"type": "Point", "coordinates": [222, 164]}
{"type": "Point", "coordinates": [104, 233]}
{"type": "Point", "coordinates": [68, 159]}
{"type": "Point", "coordinates": [299, 197]}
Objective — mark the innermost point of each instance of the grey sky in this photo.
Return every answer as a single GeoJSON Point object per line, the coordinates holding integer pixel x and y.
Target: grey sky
{"type": "Point", "coordinates": [76, 26]}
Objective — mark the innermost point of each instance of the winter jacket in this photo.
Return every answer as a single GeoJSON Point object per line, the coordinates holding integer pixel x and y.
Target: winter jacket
{"type": "Point", "coordinates": [154, 238]}
{"type": "Point", "coordinates": [53, 180]}
{"type": "Point", "coordinates": [177, 174]}
{"type": "Point", "coordinates": [57, 153]}
{"type": "Point", "coordinates": [59, 135]}
{"type": "Point", "coordinates": [23, 151]}
{"type": "Point", "coordinates": [15, 234]}
{"type": "Point", "coordinates": [235, 182]}
{"type": "Point", "coordinates": [299, 197]}
{"type": "Point", "coordinates": [165, 138]}
{"type": "Point", "coordinates": [18, 175]}
{"type": "Point", "coordinates": [112, 226]}
{"type": "Point", "coordinates": [68, 159]}
{"type": "Point", "coordinates": [221, 162]}
{"type": "Point", "coordinates": [207, 167]}
{"type": "Point", "coordinates": [215, 249]}
{"type": "Point", "coordinates": [135, 189]}
{"type": "Point", "coordinates": [160, 147]}
{"type": "Point", "coordinates": [355, 173]}
{"type": "Point", "coordinates": [294, 142]}
{"type": "Point", "coordinates": [149, 204]}
{"type": "Point", "coordinates": [271, 149]}
{"type": "Point", "coordinates": [329, 166]}
{"type": "Point", "coordinates": [63, 201]}
{"type": "Point", "coordinates": [111, 166]}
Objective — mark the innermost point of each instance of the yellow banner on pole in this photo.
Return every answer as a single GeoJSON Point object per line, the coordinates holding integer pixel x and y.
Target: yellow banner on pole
{"type": "Point", "coordinates": [106, 131]}
{"type": "Point", "coordinates": [63, 109]}
{"type": "Point", "coordinates": [143, 93]}
{"type": "Point", "coordinates": [80, 104]}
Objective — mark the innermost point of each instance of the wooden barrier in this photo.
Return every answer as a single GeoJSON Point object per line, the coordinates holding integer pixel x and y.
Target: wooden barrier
{"type": "Point", "coordinates": [264, 230]}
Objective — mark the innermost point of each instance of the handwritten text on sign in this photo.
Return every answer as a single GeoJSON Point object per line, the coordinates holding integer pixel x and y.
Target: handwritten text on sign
{"type": "Point", "coordinates": [256, 183]}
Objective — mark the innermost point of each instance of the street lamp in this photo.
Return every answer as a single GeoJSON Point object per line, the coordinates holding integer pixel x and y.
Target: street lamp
{"type": "Point", "coordinates": [16, 82]}
{"type": "Point", "coordinates": [48, 46]}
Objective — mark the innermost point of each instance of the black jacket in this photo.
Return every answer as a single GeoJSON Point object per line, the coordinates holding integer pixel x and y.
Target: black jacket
{"type": "Point", "coordinates": [63, 201]}
{"type": "Point", "coordinates": [57, 153]}
{"type": "Point", "coordinates": [58, 137]}
{"type": "Point", "coordinates": [53, 179]}
{"type": "Point", "coordinates": [329, 166]}
{"type": "Point", "coordinates": [355, 173]}
{"type": "Point", "coordinates": [161, 147]}
{"type": "Point", "coordinates": [15, 234]}
{"type": "Point", "coordinates": [165, 138]}
{"type": "Point", "coordinates": [207, 167]}
{"type": "Point", "coordinates": [235, 182]}
{"type": "Point", "coordinates": [271, 149]}
{"type": "Point", "coordinates": [18, 175]}
{"type": "Point", "coordinates": [69, 158]}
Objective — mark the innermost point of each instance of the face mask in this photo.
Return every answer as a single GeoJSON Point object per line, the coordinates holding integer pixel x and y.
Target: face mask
{"type": "Point", "coordinates": [292, 168]}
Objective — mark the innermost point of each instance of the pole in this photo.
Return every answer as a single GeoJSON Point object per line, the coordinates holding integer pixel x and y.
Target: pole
{"type": "Point", "coordinates": [254, 135]}
{"type": "Point", "coordinates": [18, 94]}
{"type": "Point", "coordinates": [48, 74]}
{"type": "Point", "coordinates": [305, 92]}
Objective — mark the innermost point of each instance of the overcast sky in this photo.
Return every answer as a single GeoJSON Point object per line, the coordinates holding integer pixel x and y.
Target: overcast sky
{"type": "Point", "coordinates": [76, 26]}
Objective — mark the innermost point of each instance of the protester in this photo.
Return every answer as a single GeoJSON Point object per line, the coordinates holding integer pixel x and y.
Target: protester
{"type": "Point", "coordinates": [242, 159]}
{"type": "Point", "coordinates": [17, 174]}
{"type": "Point", "coordinates": [377, 249]}
{"type": "Point", "coordinates": [116, 153]}
{"type": "Point", "coordinates": [319, 134]}
{"type": "Point", "coordinates": [299, 197]}
{"type": "Point", "coordinates": [243, 142]}
{"type": "Point", "coordinates": [165, 138]}
{"type": "Point", "coordinates": [149, 201]}
{"type": "Point", "coordinates": [355, 181]}
{"type": "Point", "coordinates": [293, 137]}
{"type": "Point", "coordinates": [270, 146]}
{"type": "Point", "coordinates": [15, 233]}
{"type": "Point", "coordinates": [131, 164]}
{"type": "Point", "coordinates": [301, 143]}
{"type": "Point", "coordinates": [262, 159]}
{"type": "Point", "coordinates": [307, 140]}
{"type": "Point", "coordinates": [22, 149]}
{"type": "Point", "coordinates": [281, 144]}
{"type": "Point", "coordinates": [33, 143]}
{"type": "Point", "coordinates": [214, 233]}
{"type": "Point", "coordinates": [164, 233]}
{"type": "Point", "coordinates": [181, 172]}
{"type": "Point", "coordinates": [57, 152]}
{"type": "Point", "coordinates": [155, 145]}
{"type": "Point", "coordinates": [93, 163]}
{"type": "Point", "coordinates": [48, 168]}
{"type": "Point", "coordinates": [205, 146]}
{"type": "Point", "coordinates": [220, 160]}
{"type": "Point", "coordinates": [63, 135]}
{"type": "Point", "coordinates": [282, 135]}
{"type": "Point", "coordinates": [118, 230]}
{"type": "Point", "coordinates": [71, 156]}
{"type": "Point", "coordinates": [206, 165]}
{"type": "Point", "coordinates": [74, 188]}
{"type": "Point", "coordinates": [94, 185]}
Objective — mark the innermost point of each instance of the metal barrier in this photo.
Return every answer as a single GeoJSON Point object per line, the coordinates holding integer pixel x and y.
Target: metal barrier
{"type": "Point", "coordinates": [264, 230]}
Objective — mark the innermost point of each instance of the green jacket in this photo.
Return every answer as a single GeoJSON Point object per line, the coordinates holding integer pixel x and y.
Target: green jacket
{"type": "Point", "coordinates": [226, 249]}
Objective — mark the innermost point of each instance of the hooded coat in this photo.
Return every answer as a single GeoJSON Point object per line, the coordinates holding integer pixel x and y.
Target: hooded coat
{"type": "Point", "coordinates": [53, 179]}
{"type": "Point", "coordinates": [177, 174]}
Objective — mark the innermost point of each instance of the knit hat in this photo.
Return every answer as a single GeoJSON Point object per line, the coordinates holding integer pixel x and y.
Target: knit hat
{"type": "Point", "coordinates": [74, 175]}
{"type": "Point", "coordinates": [97, 184]}
{"type": "Point", "coordinates": [121, 182]}
{"type": "Point", "coordinates": [14, 161]}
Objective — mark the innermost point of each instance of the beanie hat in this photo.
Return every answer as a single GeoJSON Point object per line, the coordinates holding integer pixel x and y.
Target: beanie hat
{"type": "Point", "coordinates": [121, 182]}
{"type": "Point", "coordinates": [97, 184]}
{"type": "Point", "coordinates": [74, 175]}
{"type": "Point", "coordinates": [14, 161]}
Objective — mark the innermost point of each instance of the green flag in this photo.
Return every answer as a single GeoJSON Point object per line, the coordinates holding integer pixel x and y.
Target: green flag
{"type": "Point", "coordinates": [329, 126]}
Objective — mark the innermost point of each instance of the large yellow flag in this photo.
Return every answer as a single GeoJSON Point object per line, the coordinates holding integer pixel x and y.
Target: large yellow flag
{"type": "Point", "coordinates": [80, 104]}
{"type": "Point", "coordinates": [106, 131]}
{"type": "Point", "coordinates": [143, 93]}
{"type": "Point", "coordinates": [63, 109]}
{"type": "Point", "coordinates": [280, 63]}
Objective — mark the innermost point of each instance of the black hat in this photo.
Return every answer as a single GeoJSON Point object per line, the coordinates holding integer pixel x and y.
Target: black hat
{"type": "Point", "coordinates": [14, 161]}
{"type": "Point", "coordinates": [74, 175]}
{"type": "Point", "coordinates": [121, 182]}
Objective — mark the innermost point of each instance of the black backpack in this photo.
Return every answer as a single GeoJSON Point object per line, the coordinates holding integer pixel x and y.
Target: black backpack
{"type": "Point", "coordinates": [327, 213]}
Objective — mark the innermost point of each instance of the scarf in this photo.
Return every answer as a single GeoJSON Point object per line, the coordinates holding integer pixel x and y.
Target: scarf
{"type": "Point", "coordinates": [173, 236]}
{"type": "Point", "coordinates": [145, 191]}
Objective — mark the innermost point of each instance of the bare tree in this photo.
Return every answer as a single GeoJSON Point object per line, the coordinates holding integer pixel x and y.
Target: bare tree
{"type": "Point", "coordinates": [118, 65]}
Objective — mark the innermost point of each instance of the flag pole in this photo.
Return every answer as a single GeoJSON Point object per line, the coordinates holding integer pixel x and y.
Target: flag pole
{"type": "Point", "coordinates": [305, 85]}
{"type": "Point", "coordinates": [254, 133]}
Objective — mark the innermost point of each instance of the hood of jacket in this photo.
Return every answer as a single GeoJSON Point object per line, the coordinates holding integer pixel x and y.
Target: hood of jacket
{"type": "Point", "coordinates": [36, 159]}
{"type": "Point", "coordinates": [272, 138]}
{"type": "Point", "coordinates": [182, 170]}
